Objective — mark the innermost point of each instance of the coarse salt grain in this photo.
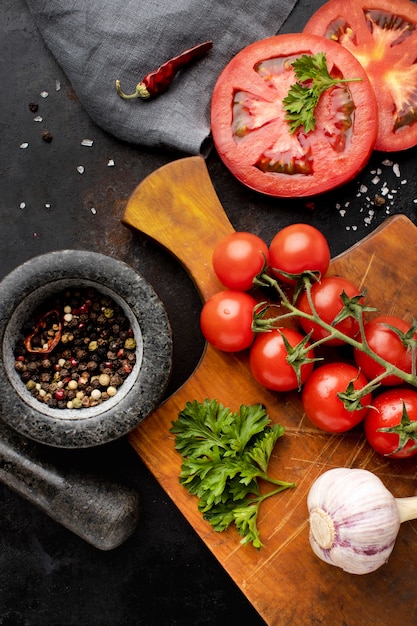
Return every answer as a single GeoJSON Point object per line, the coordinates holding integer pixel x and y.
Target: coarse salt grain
{"type": "Point", "coordinates": [44, 94]}
{"type": "Point", "coordinates": [22, 205]}
{"type": "Point", "coordinates": [80, 169]}
{"type": "Point", "coordinates": [396, 170]}
{"type": "Point", "coordinates": [110, 163]}
{"type": "Point", "coordinates": [24, 145]}
{"type": "Point", "coordinates": [93, 210]}
{"type": "Point", "coordinates": [57, 85]}
{"type": "Point", "coordinates": [38, 118]}
{"type": "Point", "coordinates": [87, 142]}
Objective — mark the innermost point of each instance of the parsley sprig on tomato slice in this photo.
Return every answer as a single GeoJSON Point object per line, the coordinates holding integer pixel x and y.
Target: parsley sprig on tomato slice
{"type": "Point", "coordinates": [253, 136]}
{"type": "Point", "coordinates": [382, 35]}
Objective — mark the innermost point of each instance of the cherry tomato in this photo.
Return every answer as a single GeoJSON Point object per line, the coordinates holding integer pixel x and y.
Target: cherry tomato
{"type": "Point", "coordinates": [238, 258]}
{"type": "Point", "coordinates": [326, 297]}
{"type": "Point", "coordinates": [268, 360]}
{"type": "Point", "coordinates": [226, 320]}
{"type": "Point", "coordinates": [386, 412]}
{"type": "Point", "coordinates": [252, 136]}
{"type": "Point", "coordinates": [320, 398]}
{"type": "Point", "coordinates": [382, 35]}
{"type": "Point", "coordinates": [388, 345]}
{"type": "Point", "coordinates": [297, 248]}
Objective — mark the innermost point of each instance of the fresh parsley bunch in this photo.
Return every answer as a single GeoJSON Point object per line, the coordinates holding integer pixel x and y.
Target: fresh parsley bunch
{"type": "Point", "coordinates": [224, 455]}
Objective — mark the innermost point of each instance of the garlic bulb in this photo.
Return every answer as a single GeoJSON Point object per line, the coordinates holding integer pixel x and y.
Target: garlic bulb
{"type": "Point", "coordinates": [354, 519]}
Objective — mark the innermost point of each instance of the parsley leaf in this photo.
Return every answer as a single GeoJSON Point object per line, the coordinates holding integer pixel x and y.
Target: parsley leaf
{"type": "Point", "coordinates": [313, 79]}
{"type": "Point", "coordinates": [224, 455]}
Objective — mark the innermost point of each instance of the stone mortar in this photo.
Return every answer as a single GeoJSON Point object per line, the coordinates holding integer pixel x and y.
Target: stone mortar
{"type": "Point", "coordinates": [24, 289]}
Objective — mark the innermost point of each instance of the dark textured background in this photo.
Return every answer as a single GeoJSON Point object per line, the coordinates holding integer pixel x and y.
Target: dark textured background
{"type": "Point", "coordinates": [163, 574]}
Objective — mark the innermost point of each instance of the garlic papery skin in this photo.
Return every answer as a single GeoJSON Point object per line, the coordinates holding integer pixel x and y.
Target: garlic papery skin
{"type": "Point", "coordinates": [354, 520]}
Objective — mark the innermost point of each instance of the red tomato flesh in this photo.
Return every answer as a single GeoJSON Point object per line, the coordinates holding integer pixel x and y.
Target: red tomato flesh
{"type": "Point", "coordinates": [252, 136]}
{"type": "Point", "coordinates": [388, 345]}
{"type": "Point", "coordinates": [320, 398]}
{"type": "Point", "coordinates": [298, 248]}
{"type": "Point", "coordinates": [326, 299]}
{"type": "Point", "coordinates": [386, 412]}
{"type": "Point", "coordinates": [382, 35]}
{"type": "Point", "coordinates": [238, 258]}
{"type": "Point", "coordinates": [226, 320]}
{"type": "Point", "coordinates": [268, 360]}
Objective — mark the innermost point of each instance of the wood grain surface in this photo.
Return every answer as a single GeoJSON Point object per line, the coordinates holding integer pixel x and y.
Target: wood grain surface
{"type": "Point", "coordinates": [177, 206]}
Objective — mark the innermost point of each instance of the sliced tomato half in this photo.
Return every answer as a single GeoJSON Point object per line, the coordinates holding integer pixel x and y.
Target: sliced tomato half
{"type": "Point", "coordinates": [253, 138]}
{"type": "Point", "coordinates": [382, 34]}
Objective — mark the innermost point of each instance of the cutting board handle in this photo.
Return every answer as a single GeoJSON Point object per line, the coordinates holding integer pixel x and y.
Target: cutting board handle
{"type": "Point", "coordinates": [178, 207]}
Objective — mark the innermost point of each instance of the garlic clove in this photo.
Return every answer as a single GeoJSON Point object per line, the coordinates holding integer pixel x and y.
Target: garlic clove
{"type": "Point", "coordinates": [354, 520]}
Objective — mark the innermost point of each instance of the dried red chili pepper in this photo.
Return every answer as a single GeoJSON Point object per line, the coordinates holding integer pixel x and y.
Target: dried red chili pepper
{"type": "Point", "coordinates": [41, 324]}
{"type": "Point", "coordinates": [157, 81]}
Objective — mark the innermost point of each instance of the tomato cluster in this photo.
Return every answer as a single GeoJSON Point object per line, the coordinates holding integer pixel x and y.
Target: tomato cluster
{"type": "Point", "coordinates": [336, 394]}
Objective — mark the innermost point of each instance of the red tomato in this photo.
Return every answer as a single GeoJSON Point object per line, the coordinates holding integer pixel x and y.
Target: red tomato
{"type": "Point", "coordinates": [226, 320]}
{"type": "Point", "coordinates": [252, 136]}
{"type": "Point", "coordinates": [268, 360]}
{"type": "Point", "coordinates": [238, 258]}
{"type": "Point", "coordinates": [328, 304]}
{"type": "Point", "coordinates": [320, 398]}
{"type": "Point", "coordinates": [388, 345]}
{"type": "Point", "coordinates": [382, 36]}
{"type": "Point", "coordinates": [386, 412]}
{"type": "Point", "coordinates": [297, 248]}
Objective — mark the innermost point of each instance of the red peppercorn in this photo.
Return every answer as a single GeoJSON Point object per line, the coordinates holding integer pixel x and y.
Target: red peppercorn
{"type": "Point", "coordinates": [73, 362]}
{"type": "Point", "coordinates": [60, 394]}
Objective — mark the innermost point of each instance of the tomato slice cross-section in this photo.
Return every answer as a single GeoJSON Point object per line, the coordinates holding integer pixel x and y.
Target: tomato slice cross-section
{"type": "Point", "coordinates": [253, 137]}
{"type": "Point", "coordinates": [382, 35]}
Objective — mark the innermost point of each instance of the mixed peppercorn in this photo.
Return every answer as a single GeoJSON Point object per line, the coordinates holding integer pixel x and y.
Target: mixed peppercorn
{"type": "Point", "coordinates": [77, 350]}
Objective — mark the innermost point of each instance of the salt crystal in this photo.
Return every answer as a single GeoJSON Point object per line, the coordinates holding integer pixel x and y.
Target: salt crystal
{"type": "Point", "coordinates": [379, 171]}
{"type": "Point", "coordinates": [375, 180]}
{"type": "Point", "coordinates": [47, 205]}
{"type": "Point", "coordinates": [24, 145]}
{"type": "Point", "coordinates": [22, 205]}
{"type": "Point", "coordinates": [87, 142]}
{"type": "Point", "coordinates": [57, 85]}
{"type": "Point", "coordinates": [38, 118]}
{"type": "Point", "coordinates": [396, 170]}
{"type": "Point", "coordinates": [80, 169]}
{"type": "Point", "coordinates": [342, 212]}
{"type": "Point", "coordinates": [387, 162]}
{"type": "Point", "coordinates": [415, 200]}
{"type": "Point", "coordinates": [93, 210]}
{"type": "Point", "coordinates": [44, 94]}
{"type": "Point", "coordinates": [354, 227]}
{"type": "Point", "coordinates": [110, 163]}
{"type": "Point", "coordinates": [363, 189]}
{"type": "Point", "coordinates": [404, 182]}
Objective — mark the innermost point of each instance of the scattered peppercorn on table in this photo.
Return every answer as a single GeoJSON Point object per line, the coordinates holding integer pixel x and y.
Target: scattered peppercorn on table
{"type": "Point", "coordinates": [66, 184]}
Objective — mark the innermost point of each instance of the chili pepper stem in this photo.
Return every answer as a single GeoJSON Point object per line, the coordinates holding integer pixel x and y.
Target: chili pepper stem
{"type": "Point", "coordinates": [140, 92]}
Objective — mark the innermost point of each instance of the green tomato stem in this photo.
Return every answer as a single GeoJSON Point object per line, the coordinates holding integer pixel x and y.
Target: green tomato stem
{"type": "Point", "coordinates": [334, 333]}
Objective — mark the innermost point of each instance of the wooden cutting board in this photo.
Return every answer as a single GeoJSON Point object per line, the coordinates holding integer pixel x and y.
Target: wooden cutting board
{"type": "Point", "coordinates": [177, 206]}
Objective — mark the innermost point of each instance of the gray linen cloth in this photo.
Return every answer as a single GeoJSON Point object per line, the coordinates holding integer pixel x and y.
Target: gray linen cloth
{"type": "Point", "coordinates": [98, 41]}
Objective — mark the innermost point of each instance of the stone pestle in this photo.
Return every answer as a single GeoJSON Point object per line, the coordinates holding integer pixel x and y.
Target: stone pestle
{"type": "Point", "coordinates": [100, 510]}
